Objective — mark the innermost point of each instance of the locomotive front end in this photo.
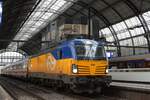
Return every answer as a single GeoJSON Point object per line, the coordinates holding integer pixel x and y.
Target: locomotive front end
{"type": "Point", "coordinates": [90, 67]}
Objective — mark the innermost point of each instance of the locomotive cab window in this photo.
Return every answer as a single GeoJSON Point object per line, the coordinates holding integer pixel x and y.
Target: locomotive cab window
{"type": "Point", "coordinates": [90, 51]}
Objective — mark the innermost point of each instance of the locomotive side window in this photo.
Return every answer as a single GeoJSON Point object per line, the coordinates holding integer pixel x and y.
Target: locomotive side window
{"type": "Point", "coordinates": [59, 54]}
{"type": "Point", "coordinates": [100, 52]}
{"type": "Point", "coordinates": [80, 51]}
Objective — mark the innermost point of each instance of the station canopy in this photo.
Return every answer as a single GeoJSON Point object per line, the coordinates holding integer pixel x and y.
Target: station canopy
{"type": "Point", "coordinates": [44, 12]}
{"type": "Point", "coordinates": [122, 22]}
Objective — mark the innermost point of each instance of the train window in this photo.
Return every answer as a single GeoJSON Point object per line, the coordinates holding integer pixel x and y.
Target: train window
{"type": "Point", "coordinates": [80, 51]}
{"type": "Point", "coordinates": [59, 54]}
{"type": "Point", "coordinates": [100, 52]}
{"type": "Point", "coordinates": [55, 54]}
{"type": "Point", "coordinates": [90, 51]}
{"type": "Point", "coordinates": [24, 65]}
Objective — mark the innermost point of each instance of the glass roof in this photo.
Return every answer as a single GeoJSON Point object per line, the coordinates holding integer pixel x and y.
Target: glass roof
{"type": "Point", "coordinates": [9, 57]}
{"type": "Point", "coordinates": [127, 30]}
{"type": "Point", "coordinates": [131, 33]}
{"type": "Point", "coordinates": [147, 18]}
{"type": "Point", "coordinates": [45, 12]}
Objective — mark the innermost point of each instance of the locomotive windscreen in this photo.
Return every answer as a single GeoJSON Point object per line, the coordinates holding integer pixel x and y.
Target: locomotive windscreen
{"type": "Point", "coordinates": [90, 51]}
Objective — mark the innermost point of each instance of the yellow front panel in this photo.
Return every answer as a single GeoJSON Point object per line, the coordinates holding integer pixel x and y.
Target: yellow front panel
{"type": "Point", "coordinates": [91, 67]}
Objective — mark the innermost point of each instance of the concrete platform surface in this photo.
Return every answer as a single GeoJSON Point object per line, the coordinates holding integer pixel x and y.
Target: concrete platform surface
{"type": "Point", "coordinates": [135, 86]}
{"type": "Point", "coordinates": [4, 95]}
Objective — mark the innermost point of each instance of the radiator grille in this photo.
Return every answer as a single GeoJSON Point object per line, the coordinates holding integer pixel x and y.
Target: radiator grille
{"type": "Point", "coordinates": [88, 70]}
{"type": "Point", "coordinates": [83, 70]}
{"type": "Point", "coordinates": [100, 70]}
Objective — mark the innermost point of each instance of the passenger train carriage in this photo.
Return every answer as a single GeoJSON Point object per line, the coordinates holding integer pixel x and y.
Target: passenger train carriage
{"type": "Point", "coordinates": [80, 64]}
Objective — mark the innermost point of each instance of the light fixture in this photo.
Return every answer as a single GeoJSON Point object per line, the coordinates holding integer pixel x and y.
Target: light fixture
{"type": "Point", "coordinates": [74, 69]}
{"type": "Point", "coordinates": [107, 71]}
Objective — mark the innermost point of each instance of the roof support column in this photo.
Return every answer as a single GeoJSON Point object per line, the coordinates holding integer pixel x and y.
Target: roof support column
{"type": "Point", "coordinates": [146, 29]}
{"type": "Point", "coordinates": [89, 22]}
{"type": "Point", "coordinates": [117, 43]}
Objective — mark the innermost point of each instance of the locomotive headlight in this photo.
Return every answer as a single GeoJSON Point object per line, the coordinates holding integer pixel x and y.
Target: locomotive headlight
{"type": "Point", "coordinates": [107, 70]}
{"type": "Point", "coordinates": [74, 69]}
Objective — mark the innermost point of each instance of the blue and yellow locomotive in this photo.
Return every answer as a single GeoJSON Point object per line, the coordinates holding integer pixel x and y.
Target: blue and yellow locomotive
{"type": "Point", "coordinates": [80, 64]}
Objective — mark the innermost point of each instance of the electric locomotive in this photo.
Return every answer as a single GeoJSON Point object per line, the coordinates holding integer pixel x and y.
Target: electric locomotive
{"type": "Point", "coordinates": [80, 64]}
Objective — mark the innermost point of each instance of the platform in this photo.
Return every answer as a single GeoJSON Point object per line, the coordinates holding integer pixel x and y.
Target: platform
{"type": "Point", "coordinates": [4, 95]}
{"type": "Point", "coordinates": [131, 74]}
{"type": "Point", "coordinates": [132, 86]}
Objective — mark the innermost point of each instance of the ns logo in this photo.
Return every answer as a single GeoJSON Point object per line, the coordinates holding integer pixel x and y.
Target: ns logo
{"type": "Point", "coordinates": [51, 62]}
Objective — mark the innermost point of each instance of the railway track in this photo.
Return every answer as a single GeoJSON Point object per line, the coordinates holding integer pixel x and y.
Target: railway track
{"type": "Point", "coordinates": [20, 90]}
{"type": "Point", "coordinates": [19, 93]}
